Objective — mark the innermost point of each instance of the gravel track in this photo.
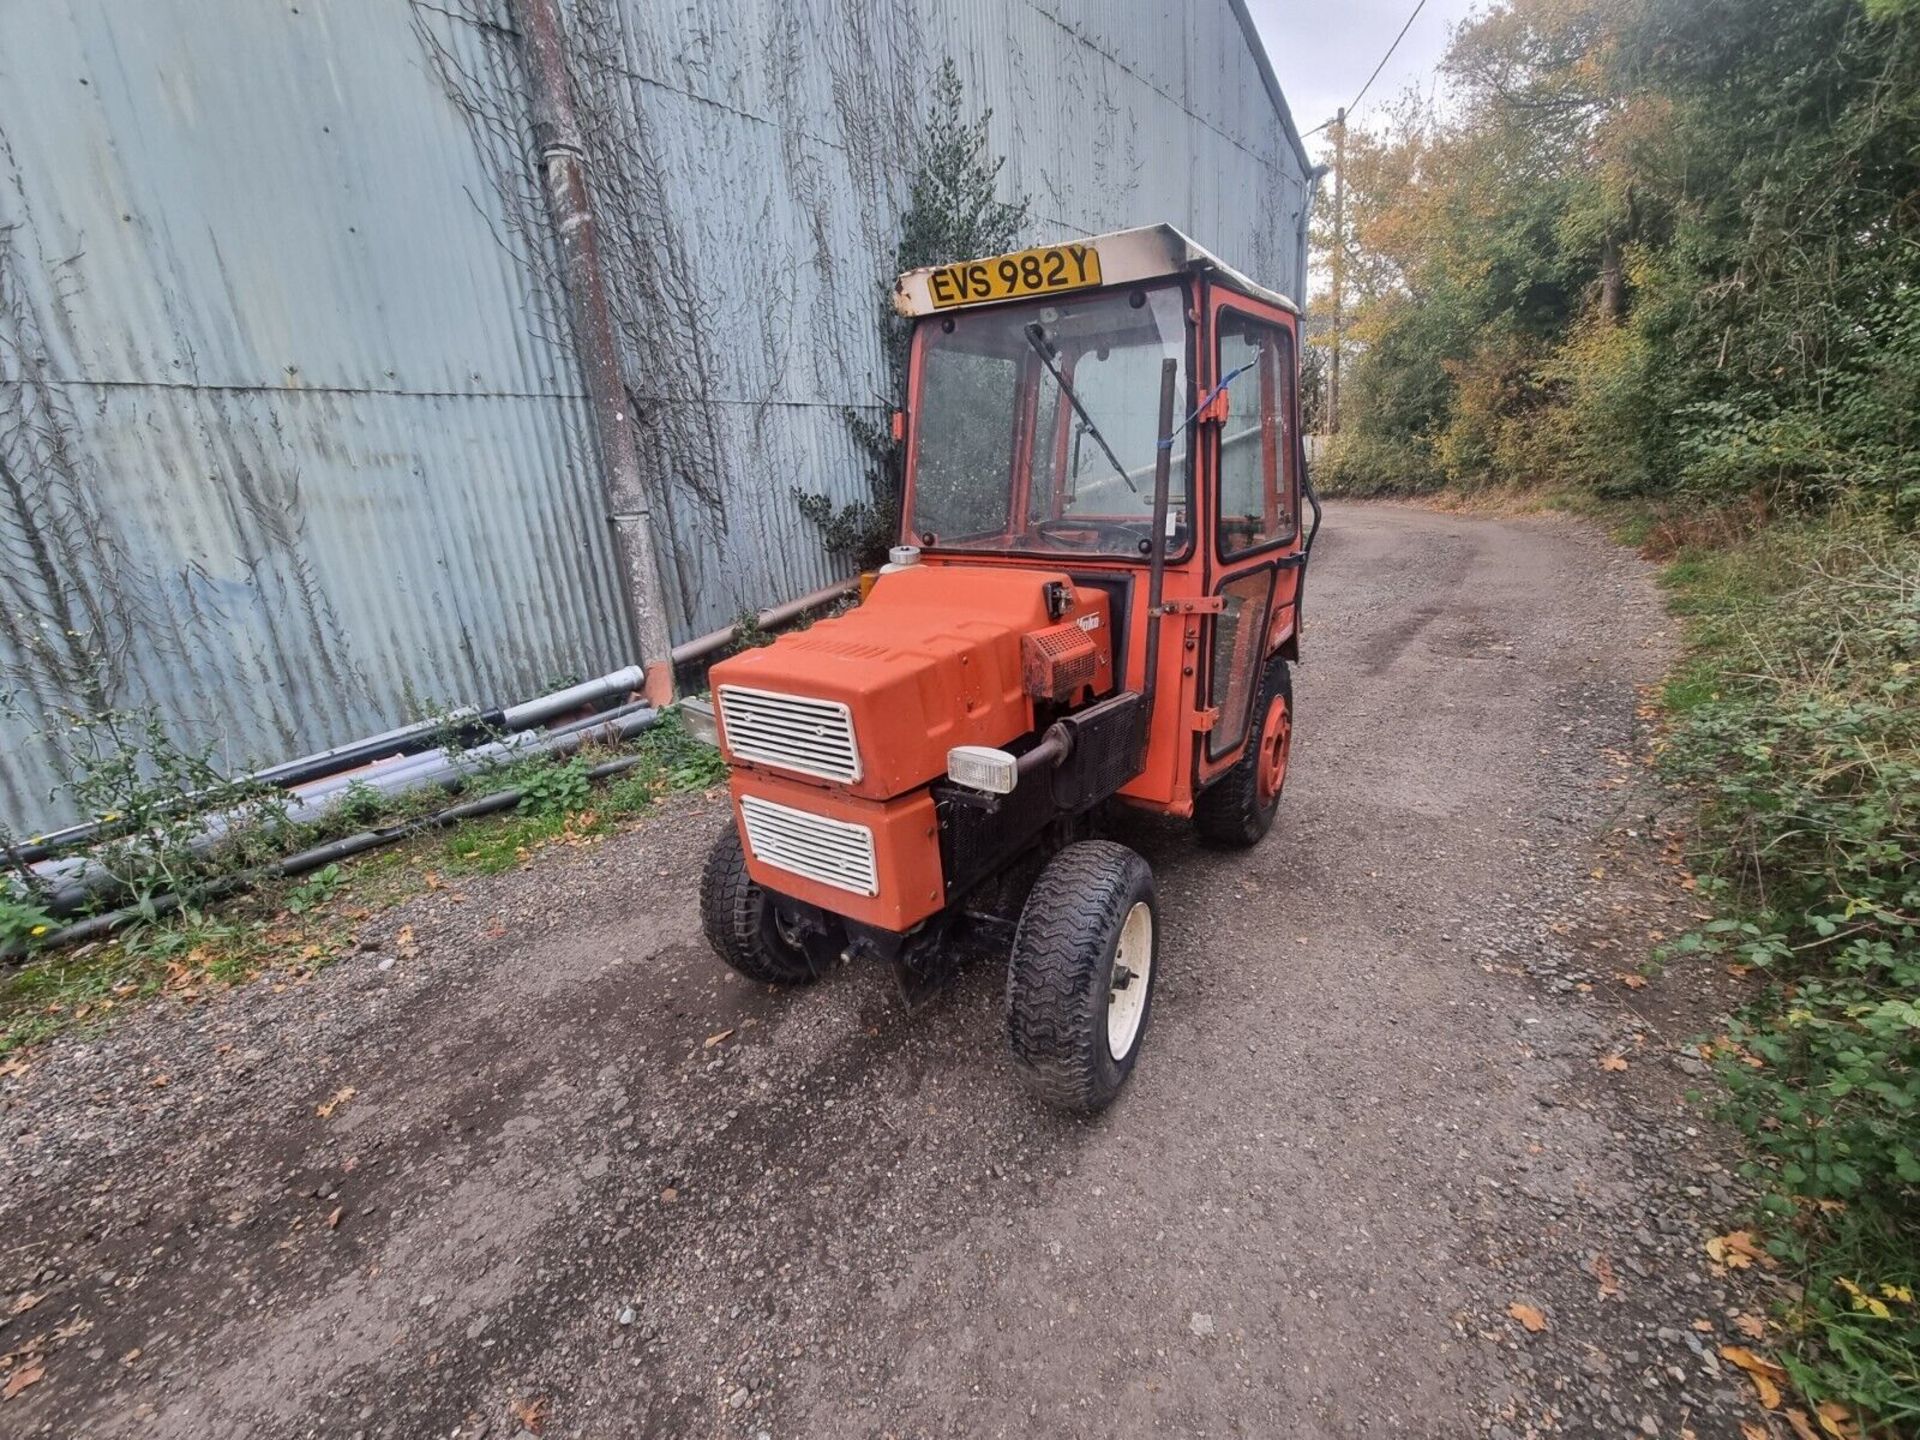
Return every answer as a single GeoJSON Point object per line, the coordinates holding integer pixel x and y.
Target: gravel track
{"type": "Point", "coordinates": [589, 1183]}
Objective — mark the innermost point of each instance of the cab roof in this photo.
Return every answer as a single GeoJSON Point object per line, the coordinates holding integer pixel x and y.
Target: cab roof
{"type": "Point", "coordinates": [1147, 252]}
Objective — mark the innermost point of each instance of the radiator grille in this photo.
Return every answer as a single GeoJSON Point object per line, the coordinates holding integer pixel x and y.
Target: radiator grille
{"type": "Point", "coordinates": [834, 852]}
{"type": "Point", "coordinates": [793, 732]}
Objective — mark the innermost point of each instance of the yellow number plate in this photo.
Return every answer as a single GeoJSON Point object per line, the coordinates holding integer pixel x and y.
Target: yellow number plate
{"type": "Point", "coordinates": [1026, 272]}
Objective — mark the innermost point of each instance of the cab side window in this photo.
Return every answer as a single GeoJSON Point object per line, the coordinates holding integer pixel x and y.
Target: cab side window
{"type": "Point", "coordinates": [1256, 445]}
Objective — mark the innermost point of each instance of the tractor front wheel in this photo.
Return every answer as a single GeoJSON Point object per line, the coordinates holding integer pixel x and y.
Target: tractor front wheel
{"type": "Point", "coordinates": [1080, 981]}
{"type": "Point", "coordinates": [741, 923]}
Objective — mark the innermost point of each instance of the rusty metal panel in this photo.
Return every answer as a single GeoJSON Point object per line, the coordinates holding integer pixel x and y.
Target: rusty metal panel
{"type": "Point", "coordinates": [292, 441]}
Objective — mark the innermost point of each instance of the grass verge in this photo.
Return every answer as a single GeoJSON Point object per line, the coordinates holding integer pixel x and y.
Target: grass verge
{"type": "Point", "coordinates": [1794, 722]}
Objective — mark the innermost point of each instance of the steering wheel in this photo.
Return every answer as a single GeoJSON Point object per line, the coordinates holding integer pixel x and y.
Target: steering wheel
{"type": "Point", "coordinates": [1127, 535]}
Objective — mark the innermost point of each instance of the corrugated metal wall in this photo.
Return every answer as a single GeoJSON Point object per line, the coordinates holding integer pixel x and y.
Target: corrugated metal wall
{"type": "Point", "coordinates": [292, 438]}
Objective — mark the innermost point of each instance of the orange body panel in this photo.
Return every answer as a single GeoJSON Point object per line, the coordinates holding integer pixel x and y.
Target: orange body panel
{"type": "Point", "coordinates": [906, 848]}
{"type": "Point", "coordinates": [931, 660]}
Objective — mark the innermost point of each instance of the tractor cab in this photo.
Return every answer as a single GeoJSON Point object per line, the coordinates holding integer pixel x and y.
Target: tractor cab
{"type": "Point", "coordinates": [1095, 602]}
{"type": "Point", "coordinates": [1037, 419]}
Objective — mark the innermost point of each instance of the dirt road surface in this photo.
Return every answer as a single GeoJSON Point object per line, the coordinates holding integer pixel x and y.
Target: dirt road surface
{"type": "Point", "coordinates": [549, 1168]}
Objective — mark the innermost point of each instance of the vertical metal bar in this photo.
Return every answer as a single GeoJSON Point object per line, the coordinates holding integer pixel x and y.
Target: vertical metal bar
{"type": "Point", "coordinates": [563, 164]}
{"type": "Point", "coordinates": [1157, 563]}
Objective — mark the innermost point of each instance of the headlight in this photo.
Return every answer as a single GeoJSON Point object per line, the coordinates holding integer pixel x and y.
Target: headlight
{"type": "Point", "coordinates": [980, 767]}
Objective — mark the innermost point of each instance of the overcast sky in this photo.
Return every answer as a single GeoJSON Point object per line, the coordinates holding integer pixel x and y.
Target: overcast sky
{"type": "Point", "coordinates": [1324, 52]}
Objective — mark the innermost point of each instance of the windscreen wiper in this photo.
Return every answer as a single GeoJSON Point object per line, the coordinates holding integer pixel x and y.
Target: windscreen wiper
{"type": "Point", "coordinates": [1037, 338]}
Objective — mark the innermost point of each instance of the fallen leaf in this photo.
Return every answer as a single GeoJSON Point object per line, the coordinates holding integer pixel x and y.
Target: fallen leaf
{"type": "Point", "coordinates": [531, 1413]}
{"type": "Point", "coordinates": [1613, 1062]}
{"type": "Point", "coordinates": [340, 1097]}
{"type": "Point", "coordinates": [1736, 1250]}
{"type": "Point", "coordinates": [20, 1379]}
{"type": "Point", "coordinates": [1835, 1420]}
{"type": "Point", "coordinates": [1603, 1272]}
{"type": "Point", "coordinates": [1751, 1326]}
{"type": "Point", "coordinates": [1528, 1316]}
{"type": "Point", "coordinates": [1751, 1430]}
{"type": "Point", "coordinates": [14, 1068]}
{"type": "Point", "coordinates": [432, 877]}
{"type": "Point", "coordinates": [160, 1082]}
{"type": "Point", "coordinates": [1705, 1327]}
{"type": "Point", "coordinates": [333, 1220]}
{"type": "Point", "coordinates": [1802, 1427]}
{"type": "Point", "coordinates": [26, 1302]}
{"type": "Point", "coordinates": [1630, 979]}
{"type": "Point", "coordinates": [669, 1195]}
{"type": "Point", "coordinates": [1767, 1377]}
{"type": "Point", "coordinates": [713, 1040]}
{"type": "Point", "coordinates": [131, 1356]}
{"type": "Point", "coordinates": [72, 1328]}
{"type": "Point", "coordinates": [403, 943]}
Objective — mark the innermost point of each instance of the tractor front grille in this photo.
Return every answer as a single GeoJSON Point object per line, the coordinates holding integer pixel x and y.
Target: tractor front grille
{"type": "Point", "coordinates": [793, 732]}
{"type": "Point", "coordinates": [833, 852]}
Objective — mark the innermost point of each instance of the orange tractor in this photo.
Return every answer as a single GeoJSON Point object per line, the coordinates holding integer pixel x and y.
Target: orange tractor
{"type": "Point", "coordinates": [1096, 601]}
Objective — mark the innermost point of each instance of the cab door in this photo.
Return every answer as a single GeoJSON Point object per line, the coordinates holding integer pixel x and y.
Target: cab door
{"type": "Point", "coordinates": [1255, 514]}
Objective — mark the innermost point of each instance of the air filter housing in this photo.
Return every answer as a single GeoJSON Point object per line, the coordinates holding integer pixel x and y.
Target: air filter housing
{"type": "Point", "coordinates": [1059, 662]}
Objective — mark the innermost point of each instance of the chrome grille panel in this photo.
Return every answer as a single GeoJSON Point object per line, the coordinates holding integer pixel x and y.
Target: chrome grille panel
{"type": "Point", "coordinates": [794, 732]}
{"type": "Point", "coordinates": [833, 852]}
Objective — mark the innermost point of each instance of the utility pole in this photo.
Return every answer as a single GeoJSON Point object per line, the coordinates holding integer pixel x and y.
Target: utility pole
{"type": "Point", "coordinates": [1339, 264]}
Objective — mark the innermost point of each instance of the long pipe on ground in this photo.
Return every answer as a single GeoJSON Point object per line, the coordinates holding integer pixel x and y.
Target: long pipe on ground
{"type": "Point", "coordinates": [79, 880]}
{"type": "Point", "coordinates": [307, 861]}
{"type": "Point", "coordinates": [380, 777]}
{"type": "Point", "coordinates": [464, 724]}
{"type": "Point", "coordinates": [770, 619]}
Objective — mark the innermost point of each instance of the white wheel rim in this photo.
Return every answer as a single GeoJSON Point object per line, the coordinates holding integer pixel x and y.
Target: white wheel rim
{"type": "Point", "coordinates": [1133, 965]}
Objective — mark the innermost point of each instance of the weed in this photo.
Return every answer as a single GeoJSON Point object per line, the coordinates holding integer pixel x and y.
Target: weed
{"type": "Point", "coordinates": [175, 822]}
{"type": "Point", "coordinates": [555, 789]}
{"type": "Point", "coordinates": [22, 924]}
{"type": "Point", "coordinates": [316, 890]}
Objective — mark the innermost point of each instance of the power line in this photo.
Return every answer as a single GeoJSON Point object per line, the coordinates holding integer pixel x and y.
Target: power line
{"type": "Point", "coordinates": [1353, 104]}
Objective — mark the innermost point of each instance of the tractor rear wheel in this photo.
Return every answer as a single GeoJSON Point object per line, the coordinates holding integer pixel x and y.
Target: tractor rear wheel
{"type": "Point", "coordinates": [1080, 981]}
{"type": "Point", "coordinates": [740, 921]}
{"type": "Point", "coordinates": [1238, 808]}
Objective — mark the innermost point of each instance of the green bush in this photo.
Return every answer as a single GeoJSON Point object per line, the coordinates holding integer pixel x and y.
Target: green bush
{"type": "Point", "coordinates": [1800, 734]}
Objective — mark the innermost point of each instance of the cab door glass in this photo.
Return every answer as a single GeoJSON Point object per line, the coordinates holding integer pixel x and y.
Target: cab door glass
{"type": "Point", "coordinates": [1239, 635]}
{"type": "Point", "coordinates": [1256, 450]}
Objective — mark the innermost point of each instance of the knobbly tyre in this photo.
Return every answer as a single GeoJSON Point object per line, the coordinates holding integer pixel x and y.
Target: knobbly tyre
{"type": "Point", "coordinates": [1096, 602]}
